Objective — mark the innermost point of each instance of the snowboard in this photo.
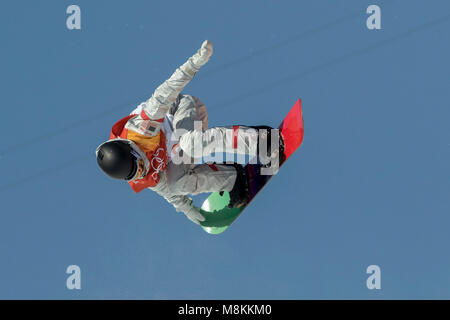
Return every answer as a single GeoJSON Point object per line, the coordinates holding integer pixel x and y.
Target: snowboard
{"type": "Point", "coordinates": [218, 217]}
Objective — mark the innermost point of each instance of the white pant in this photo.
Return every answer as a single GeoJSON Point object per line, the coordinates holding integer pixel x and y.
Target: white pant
{"type": "Point", "coordinates": [193, 178]}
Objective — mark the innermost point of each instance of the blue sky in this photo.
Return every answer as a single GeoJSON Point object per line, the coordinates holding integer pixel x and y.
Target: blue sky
{"type": "Point", "coordinates": [370, 184]}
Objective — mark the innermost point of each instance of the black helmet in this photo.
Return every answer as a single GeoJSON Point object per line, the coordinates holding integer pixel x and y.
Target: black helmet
{"type": "Point", "coordinates": [117, 159]}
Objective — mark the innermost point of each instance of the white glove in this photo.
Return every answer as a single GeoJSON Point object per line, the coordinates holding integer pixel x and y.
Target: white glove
{"type": "Point", "coordinates": [193, 214]}
{"type": "Point", "coordinates": [203, 54]}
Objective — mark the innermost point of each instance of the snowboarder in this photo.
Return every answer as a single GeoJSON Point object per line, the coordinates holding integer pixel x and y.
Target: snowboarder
{"type": "Point", "coordinates": [143, 146]}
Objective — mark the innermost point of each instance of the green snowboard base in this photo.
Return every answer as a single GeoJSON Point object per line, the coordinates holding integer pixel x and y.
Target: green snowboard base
{"type": "Point", "coordinates": [218, 217]}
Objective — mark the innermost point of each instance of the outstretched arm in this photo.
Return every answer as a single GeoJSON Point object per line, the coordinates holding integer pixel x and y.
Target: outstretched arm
{"type": "Point", "coordinates": [151, 113]}
{"type": "Point", "coordinates": [181, 203]}
{"type": "Point", "coordinates": [166, 94]}
{"type": "Point", "coordinates": [185, 204]}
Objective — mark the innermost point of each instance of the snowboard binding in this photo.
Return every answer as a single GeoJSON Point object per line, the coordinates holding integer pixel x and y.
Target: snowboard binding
{"type": "Point", "coordinates": [239, 195]}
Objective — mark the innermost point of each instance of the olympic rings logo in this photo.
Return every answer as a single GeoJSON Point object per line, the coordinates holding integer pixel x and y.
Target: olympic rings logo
{"type": "Point", "coordinates": [157, 163]}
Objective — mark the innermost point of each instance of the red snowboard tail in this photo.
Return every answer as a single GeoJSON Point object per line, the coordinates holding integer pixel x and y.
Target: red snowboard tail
{"type": "Point", "coordinates": [292, 129]}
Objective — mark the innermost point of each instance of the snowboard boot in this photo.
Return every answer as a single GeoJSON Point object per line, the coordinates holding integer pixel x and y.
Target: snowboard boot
{"type": "Point", "coordinates": [269, 133]}
{"type": "Point", "coordinates": [239, 195]}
